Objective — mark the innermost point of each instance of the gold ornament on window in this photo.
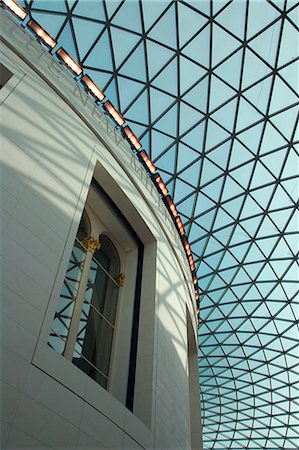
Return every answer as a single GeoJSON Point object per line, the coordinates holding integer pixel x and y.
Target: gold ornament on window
{"type": "Point", "coordinates": [91, 244]}
{"type": "Point", "coordinates": [120, 279]}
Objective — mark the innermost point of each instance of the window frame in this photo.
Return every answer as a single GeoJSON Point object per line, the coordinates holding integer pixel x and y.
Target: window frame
{"type": "Point", "coordinates": [14, 80]}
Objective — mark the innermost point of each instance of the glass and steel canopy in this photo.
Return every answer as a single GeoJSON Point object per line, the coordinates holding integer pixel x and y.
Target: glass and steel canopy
{"type": "Point", "coordinates": [211, 91]}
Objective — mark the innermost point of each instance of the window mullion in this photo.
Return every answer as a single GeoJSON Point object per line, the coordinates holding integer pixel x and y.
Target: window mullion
{"type": "Point", "coordinates": [74, 326]}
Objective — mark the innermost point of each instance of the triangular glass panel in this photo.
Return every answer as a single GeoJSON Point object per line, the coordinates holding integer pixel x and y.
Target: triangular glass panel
{"type": "Point", "coordinates": [288, 51]}
{"type": "Point", "coordinates": [247, 115]}
{"type": "Point", "coordinates": [220, 93]}
{"type": "Point", "coordinates": [254, 254]}
{"type": "Point", "coordinates": [291, 186]}
{"type": "Point", "coordinates": [159, 143]}
{"type": "Point", "coordinates": [242, 174]}
{"type": "Point", "coordinates": [139, 110]}
{"type": "Point", "coordinates": [274, 161]}
{"type": "Point", "coordinates": [261, 176]}
{"type": "Point", "coordinates": [67, 42]}
{"type": "Point", "coordinates": [167, 161]}
{"type": "Point", "coordinates": [290, 74]}
{"type": "Point", "coordinates": [254, 69]}
{"type": "Point", "coordinates": [128, 10]}
{"type": "Point", "coordinates": [259, 94]}
{"type": "Point", "coordinates": [215, 135]}
{"type": "Point", "coordinates": [91, 9]}
{"type": "Point", "coordinates": [282, 96]}
{"type": "Point", "coordinates": [185, 157]}
{"type": "Point", "coordinates": [134, 67]}
{"type": "Point", "coordinates": [266, 43]}
{"type": "Point", "coordinates": [111, 93]}
{"type": "Point", "coordinates": [209, 172]}
{"type": "Point", "coordinates": [190, 73]}
{"type": "Point", "coordinates": [199, 48]}
{"type": "Point", "coordinates": [233, 17]}
{"type": "Point", "coordinates": [206, 219]}
{"type": "Point", "coordinates": [202, 7]}
{"type": "Point", "coordinates": [203, 204]}
{"type": "Point", "coordinates": [263, 195]}
{"type": "Point", "coordinates": [86, 33]}
{"type": "Point", "coordinates": [286, 122]}
{"type": "Point", "coordinates": [101, 54]}
{"type": "Point", "coordinates": [191, 174]}
{"type": "Point", "coordinates": [230, 70]}
{"type": "Point", "coordinates": [281, 250]}
{"type": "Point", "coordinates": [182, 190]}
{"type": "Point", "coordinates": [46, 21]}
{"type": "Point", "coordinates": [260, 15]}
{"type": "Point", "coordinates": [198, 95]}
{"type": "Point", "coordinates": [220, 154]}
{"type": "Point", "coordinates": [159, 102]}
{"type": "Point", "coordinates": [188, 117]}
{"type": "Point", "coordinates": [102, 79]}
{"type": "Point", "coordinates": [165, 29]}
{"type": "Point", "coordinates": [267, 273]}
{"type": "Point", "coordinates": [189, 22]}
{"type": "Point", "coordinates": [280, 198]}
{"type": "Point", "coordinates": [213, 190]}
{"type": "Point", "coordinates": [222, 218]}
{"type": "Point", "coordinates": [271, 139]}
{"type": "Point", "coordinates": [112, 7]}
{"type": "Point", "coordinates": [251, 138]}
{"type": "Point", "coordinates": [128, 90]}
{"type": "Point", "coordinates": [233, 206]}
{"type": "Point", "coordinates": [239, 155]}
{"type": "Point", "coordinates": [226, 115]}
{"type": "Point", "coordinates": [150, 13]}
{"type": "Point", "coordinates": [50, 5]}
{"type": "Point", "coordinates": [158, 56]}
{"type": "Point", "coordinates": [292, 226]}
{"type": "Point", "coordinates": [123, 43]}
{"type": "Point", "coordinates": [168, 122]}
{"type": "Point", "coordinates": [167, 80]}
{"type": "Point", "coordinates": [223, 45]}
{"type": "Point", "coordinates": [253, 269]}
{"type": "Point", "coordinates": [194, 138]}
{"type": "Point", "coordinates": [241, 278]}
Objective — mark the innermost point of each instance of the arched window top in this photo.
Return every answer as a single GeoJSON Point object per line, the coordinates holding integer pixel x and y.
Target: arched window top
{"type": "Point", "coordinates": [84, 227]}
{"type": "Point", "coordinates": [108, 256]}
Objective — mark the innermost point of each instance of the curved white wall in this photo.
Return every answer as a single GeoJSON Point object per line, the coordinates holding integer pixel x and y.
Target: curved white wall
{"type": "Point", "coordinates": [53, 139]}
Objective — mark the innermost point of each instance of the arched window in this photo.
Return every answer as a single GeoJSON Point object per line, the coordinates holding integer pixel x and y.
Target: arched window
{"type": "Point", "coordinates": [84, 321]}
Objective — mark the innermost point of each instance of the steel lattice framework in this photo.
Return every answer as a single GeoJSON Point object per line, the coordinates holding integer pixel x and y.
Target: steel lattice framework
{"type": "Point", "coordinates": [210, 89]}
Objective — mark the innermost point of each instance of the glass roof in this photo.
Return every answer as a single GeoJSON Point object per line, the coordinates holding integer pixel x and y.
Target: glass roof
{"type": "Point", "coordinates": [211, 90]}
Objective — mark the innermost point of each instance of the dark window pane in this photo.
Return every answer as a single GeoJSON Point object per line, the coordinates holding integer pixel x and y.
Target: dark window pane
{"type": "Point", "coordinates": [5, 75]}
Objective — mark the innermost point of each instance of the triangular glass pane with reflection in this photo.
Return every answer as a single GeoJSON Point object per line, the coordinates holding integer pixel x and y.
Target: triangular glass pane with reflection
{"type": "Point", "coordinates": [90, 30]}
{"type": "Point", "coordinates": [223, 45]}
{"type": "Point", "coordinates": [90, 9]}
{"type": "Point", "coordinates": [165, 29]}
{"type": "Point", "coordinates": [233, 18]}
{"type": "Point", "coordinates": [199, 46]}
{"type": "Point", "coordinates": [139, 110]}
{"type": "Point", "coordinates": [135, 65]}
{"type": "Point", "coordinates": [167, 79]}
{"type": "Point", "coordinates": [46, 21]}
{"type": "Point", "coordinates": [128, 10]}
{"type": "Point", "coordinates": [123, 44]}
{"type": "Point", "coordinates": [101, 54]}
{"type": "Point", "coordinates": [282, 96]}
{"type": "Point", "coordinates": [66, 41]}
